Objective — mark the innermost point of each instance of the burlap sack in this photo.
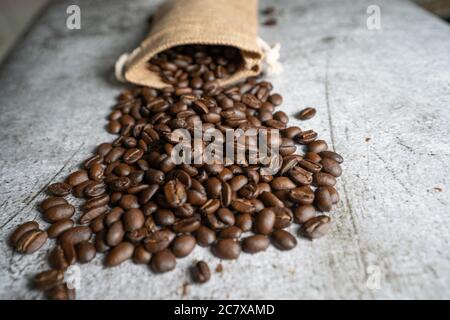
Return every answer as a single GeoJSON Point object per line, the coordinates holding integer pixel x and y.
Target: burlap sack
{"type": "Point", "coordinates": [211, 22]}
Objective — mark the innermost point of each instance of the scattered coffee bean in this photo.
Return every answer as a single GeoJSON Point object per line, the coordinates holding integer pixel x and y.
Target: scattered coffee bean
{"type": "Point", "coordinates": [200, 272]}
{"type": "Point", "coordinates": [316, 227]}
{"type": "Point", "coordinates": [59, 189]}
{"type": "Point", "coordinates": [283, 240]}
{"type": "Point", "coordinates": [255, 243]}
{"type": "Point", "coordinates": [307, 113]}
{"type": "Point", "coordinates": [163, 261]}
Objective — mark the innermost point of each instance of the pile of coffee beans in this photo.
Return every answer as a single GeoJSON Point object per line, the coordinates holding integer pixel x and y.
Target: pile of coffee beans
{"type": "Point", "coordinates": [140, 205]}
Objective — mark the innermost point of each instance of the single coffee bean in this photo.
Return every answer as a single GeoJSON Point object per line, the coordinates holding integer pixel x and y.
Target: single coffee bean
{"type": "Point", "coordinates": [48, 279]}
{"type": "Point", "coordinates": [227, 249]}
{"type": "Point", "coordinates": [323, 199]}
{"type": "Point", "coordinates": [85, 252]}
{"type": "Point", "coordinates": [91, 214]}
{"type": "Point", "coordinates": [186, 225]}
{"type": "Point", "coordinates": [238, 182]}
{"type": "Point", "coordinates": [282, 183]}
{"type": "Point", "coordinates": [133, 155]}
{"type": "Point", "coordinates": [163, 261]}
{"type": "Point", "coordinates": [306, 137]}
{"type": "Point", "coordinates": [283, 240]}
{"type": "Point", "coordinates": [310, 166]}
{"type": "Point", "coordinates": [332, 155]}
{"type": "Point", "coordinates": [232, 232]}
{"type": "Point", "coordinates": [31, 241]}
{"type": "Point", "coordinates": [141, 256]}
{"type": "Point", "coordinates": [133, 219]}
{"type": "Point", "coordinates": [332, 167]}
{"type": "Point", "coordinates": [183, 245]}
{"type": "Point", "coordinates": [323, 179]}
{"type": "Point", "coordinates": [276, 99]}
{"type": "Point", "coordinates": [96, 172]}
{"type": "Point", "coordinates": [59, 212]}
{"type": "Point", "coordinates": [77, 177]}
{"type": "Point", "coordinates": [129, 201]}
{"type": "Point", "coordinates": [243, 206]}
{"type": "Point", "coordinates": [158, 240]}
{"type": "Point", "coordinates": [95, 189]}
{"type": "Point", "coordinates": [317, 146]}
{"type": "Point", "coordinates": [316, 227]}
{"type": "Point", "coordinates": [51, 202]}
{"type": "Point", "coordinates": [57, 259]}
{"type": "Point", "coordinates": [120, 253]}
{"type": "Point", "coordinates": [244, 222]}
{"type": "Point", "coordinates": [103, 149]}
{"type": "Point", "coordinates": [200, 272]}
{"type": "Point", "coordinates": [333, 193]}
{"type": "Point", "coordinates": [115, 234]}
{"type": "Point", "coordinates": [255, 243]}
{"type": "Point", "coordinates": [59, 189]}
{"type": "Point", "coordinates": [76, 235]}
{"type": "Point", "coordinates": [175, 193]}
{"type": "Point", "coordinates": [70, 253]}
{"type": "Point", "coordinates": [301, 176]}
{"type": "Point", "coordinates": [78, 191]}
{"type": "Point", "coordinates": [99, 201]}
{"type": "Point", "coordinates": [205, 236]}
{"type": "Point", "coordinates": [100, 241]}
{"type": "Point", "coordinates": [313, 157]}
{"type": "Point", "coordinates": [59, 227]}
{"type": "Point", "coordinates": [61, 292]}
{"type": "Point", "coordinates": [302, 195]}
{"type": "Point", "coordinates": [303, 213]}
{"type": "Point", "coordinates": [284, 217]}
{"type": "Point", "coordinates": [265, 221]}
{"type": "Point", "coordinates": [21, 230]}
{"type": "Point", "coordinates": [307, 113]}
{"type": "Point", "coordinates": [271, 200]}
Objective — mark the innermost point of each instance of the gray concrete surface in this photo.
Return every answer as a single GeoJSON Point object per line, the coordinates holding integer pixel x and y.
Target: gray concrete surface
{"type": "Point", "coordinates": [383, 102]}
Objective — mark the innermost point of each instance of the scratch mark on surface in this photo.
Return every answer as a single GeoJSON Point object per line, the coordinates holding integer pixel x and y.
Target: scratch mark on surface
{"type": "Point", "coordinates": [400, 142]}
{"type": "Point", "coordinates": [30, 200]}
{"type": "Point", "coordinates": [327, 100]}
{"type": "Point", "coordinates": [392, 172]}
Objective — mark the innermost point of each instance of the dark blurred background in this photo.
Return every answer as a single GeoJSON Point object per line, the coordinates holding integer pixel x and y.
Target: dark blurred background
{"type": "Point", "coordinates": [17, 15]}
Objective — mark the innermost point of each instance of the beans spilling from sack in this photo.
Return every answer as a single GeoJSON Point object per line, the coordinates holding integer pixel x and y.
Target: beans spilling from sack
{"type": "Point", "coordinates": [141, 206]}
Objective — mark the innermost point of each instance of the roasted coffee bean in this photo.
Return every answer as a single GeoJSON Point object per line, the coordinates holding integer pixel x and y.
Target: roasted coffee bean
{"type": "Point", "coordinates": [21, 230]}
{"type": "Point", "coordinates": [226, 194]}
{"type": "Point", "coordinates": [59, 189]}
{"type": "Point", "coordinates": [76, 235]}
{"type": "Point", "coordinates": [164, 217]}
{"type": "Point", "coordinates": [85, 252]}
{"type": "Point", "coordinates": [141, 256]}
{"type": "Point", "coordinates": [77, 177]}
{"type": "Point", "coordinates": [205, 236]}
{"type": "Point", "coordinates": [163, 261]}
{"type": "Point", "coordinates": [95, 189]}
{"type": "Point", "coordinates": [333, 193]}
{"type": "Point", "coordinates": [120, 253]}
{"type": "Point", "coordinates": [103, 149]}
{"type": "Point", "coordinates": [323, 179]}
{"type": "Point", "coordinates": [115, 234]}
{"type": "Point", "coordinates": [323, 200]}
{"type": "Point", "coordinates": [200, 272]}
{"type": "Point", "coordinates": [316, 227]}
{"type": "Point", "coordinates": [318, 146]}
{"type": "Point", "coordinates": [96, 172]}
{"type": "Point", "coordinates": [57, 259]}
{"type": "Point", "coordinates": [307, 113]}
{"type": "Point", "coordinates": [244, 222]}
{"type": "Point", "coordinates": [238, 182]}
{"type": "Point", "coordinates": [129, 201]}
{"type": "Point", "coordinates": [232, 232]}
{"type": "Point", "coordinates": [99, 201]}
{"type": "Point", "coordinates": [255, 243]}
{"type": "Point", "coordinates": [185, 211]}
{"type": "Point", "coordinates": [133, 155]}
{"type": "Point", "coordinates": [186, 225]}
{"type": "Point", "coordinates": [313, 157]}
{"type": "Point", "coordinates": [283, 217]}
{"type": "Point", "coordinates": [243, 206]}
{"type": "Point", "coordinates": [113, 215]}
{"type": "Point", "coordinates": [303, 213]}
{"type": "Point", "coordinates": [100, 241]}
{"type": "Point", "coordinates": [51, 202]}
{"type": "Point", "coordinates": [147, 194]}
{"type": "Point", "coordinates": [227, 249]}
{"type": "Point", "coordinates": [59, 227]}
{"type": "Point", "coordinates": [210, 206]}
{"type": "Point", "coordinates": [265, 221]}
{"type": "Point", "coordinates": [332, 167]}
{"type": "Point", "coordinates": [271, 200]}
{"type": "Point", "coordinates": [302, 195]}
{"type": "Point", "coordinates": [95, 159]}
{"type": "Point", "coordinates": [158, 240]}
{"type": "Point", "coordinates": [282, 183]}
{"type": "Point", "coordinates": [91, 214]}
{"type": "Point", "coordinates": [114, 155]}
{"type": "Point", "coordinates": [48, 279]}
{"type": "Point", "coordinates": [31, 241]}
{"type": "Point", "coordinates": [133, 219]}
{"type": "Point", "coordinates": [283, 240]}
{"type": "Point", "coordinates": [306, 137]}
{"type": "Point", "coordinates": [183, 245]}
{"type": "Point", "coordinates": [175, 193]}
{"type": "Point", "coordinates": [59, 212]}
{"type": "Point", "coordinates": [301, 176]}
{"type": "Point", "coordinates": [310, 166]}
{"type": "Point", "coordinates": [332, 155]}
{"type": "Point", "coordinates": [113, 127]}
{"type": "Point", "coordinates": [214, 187]}
{"type": "Point", "coordinates": [276, 99]}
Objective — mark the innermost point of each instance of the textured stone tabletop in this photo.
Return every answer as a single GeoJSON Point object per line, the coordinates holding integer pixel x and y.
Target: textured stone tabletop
{"type": "Point", "coordinates": [383, 99]}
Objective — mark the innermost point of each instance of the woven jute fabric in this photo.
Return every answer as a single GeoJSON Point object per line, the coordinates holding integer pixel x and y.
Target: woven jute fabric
{"type": "Point", "coordinates": [210, 22]}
